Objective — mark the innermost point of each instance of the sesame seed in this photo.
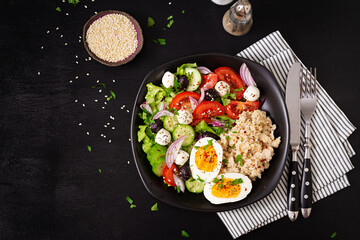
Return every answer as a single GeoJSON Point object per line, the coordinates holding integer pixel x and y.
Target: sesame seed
{"type": "Point", "coordinates": [110, 141]}
{"type": "Point", "coordinates": [76, 62]}
{"type": "Point", "coordinates": [105, 125]}
{"type": "Point", "coordinates": [76, 56]}
{"type": "Point", "coordinates": [108, 123]}
{"type": "Point", "coordinates": [103, 107]}
{"type": "Point", "coordinates": [129, 139]}
{"type": "Point", "coordinates": [66, 44]}
{"type": "Point", "coordinates": [83, 105]}
{"type": "Point", "coordinates": [95, 12]}
{"type": "Point", "coordinates": [106, 96]}
{"type": "Point", "coordinates": [112, 118]}
{"type": "Point", "coordinates": [85, 6]}
{"type": "Point", "coordinates": [76, 100]}
{"type": "Point", "coordinates": [87, 133]}
{"type": "Point", "coordinates": [79, 40]}
{"type": "Point", "coordinates": [105, 103]}
{"type": "Point", "coordinates": [87, 74]}
{"type": "Point", "coordinates": [96, 100]}
{"type": "Point", "coordinates": [128, 162]}
{"type": "Point", "coordinates": [57, 28]}
{"type": "Point", "coordinates": [127, 111]}
{"type": "Point", "coordinates": [113, 80]}
{"type": "Point", "coordinates": [67, 14]}
{"type": "Point", "coordinates": [100, 90]}
{"type": "Point", "coordinates": [89, 58]}
{"type": "Point", "coordinates": [48, 32]}
{"type": "Point", "coordinates": [38, 73]}
{"type": "Point", "coordinates": [42, 47]}
{"type": "Point", "coordinates": [61, 35]}
{"type": "Point", "coordinates": [102, 135]}
{"type": "Point", "coordinates": [76, 77]}
{"type": "Point", "coordinates": [70, 81]}
{"type": "Point", "coordinates": [85, 59]}
{"type": "Point", "coordinates": [80, 124]}
{"type": "Point", "coordinates": [97, 81]}
{"type": "Point", "coordinates": [108, 46]}
{"type": "Point", "coordinates": [113, 128]}
{"type": "Point", "coordinates": [80, 37]}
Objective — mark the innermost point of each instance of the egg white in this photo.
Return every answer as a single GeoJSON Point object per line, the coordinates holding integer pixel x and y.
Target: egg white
{"type": "Point", "coordinates": [196, 172]}
{"type": "Point", "coordinates": [243, 193]}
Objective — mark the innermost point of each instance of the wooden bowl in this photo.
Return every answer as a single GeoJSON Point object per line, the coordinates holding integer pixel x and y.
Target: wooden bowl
{"type": "Point", "coordinates": [140, 38]}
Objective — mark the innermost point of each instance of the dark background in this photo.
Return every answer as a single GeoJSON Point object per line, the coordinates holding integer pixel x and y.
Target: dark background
{"type": "Point", "coordinates": [50, 184]}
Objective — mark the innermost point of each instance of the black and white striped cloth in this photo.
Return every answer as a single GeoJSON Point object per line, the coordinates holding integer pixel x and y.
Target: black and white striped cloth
{"type": "Point", "coordinates": [331, 151]}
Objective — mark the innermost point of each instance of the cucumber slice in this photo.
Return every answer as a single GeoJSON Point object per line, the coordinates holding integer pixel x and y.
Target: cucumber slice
{"type": "Point", "coordinates": [170, 123]}
{"type": "Point", "coordinates": [194, 186]}
{"type": "Point", "coordinates": [194, 77]}
{"type": "Point", "coordinates": [187, 130]}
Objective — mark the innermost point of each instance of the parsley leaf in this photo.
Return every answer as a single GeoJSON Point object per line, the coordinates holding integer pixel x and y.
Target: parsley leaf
{"type": "Point", "coordinates": [210, 142]}
{"type": "Point", "coordinates": [237, 181]}
{"type": "Point", "coordinates": [184, 234]}
{"type": "Point", "coordinates": [150, 22]}
{"type": "Point", "coordinates": [225, 161]}
{"type": "Point", "coordinates": [170, 17]}
{"type": "Point", "coordinates": [170, 23]}
{"type": "Point", "coordinates": [99, 170]}
{"type": "Point", "coordinates": [238, 89]}
{"type": "Point", "coordinates": [228, 137]}
{"type": "Point", "coordinates": [129, 200]}
{"type": "Point", "coordinates": [89, 148]}
{"type": "Point", "coordinates": [99, 84]}
{"type": "Point", "coordinates": [109, 98]}
{"type": "Point", "coordinates": [177, 188]}
{"type": "Point", "coordinates": [226, 98]}
{"type": "Point", "coordinates": [234, 132]}
{"type": "Point", "coordinates": [333, 235]}
{"type": "Point", "coordinates": [200, 180]}
{"type": "Point", "coordinates": [154, 207]}
{"type": "Point", "coordinates": [175, 111]}
{"type": "Point", "coordinates": [161, 41]}
{"type": "Point", "coordinates": [233, 146]}
{"type": "Point", "coordinates": [113, 94]}
{"type": "Point", "coordinates": [74, 2]}
{"type": "Point", "coordinates": [239, 158]}
{"type": "Point", "coordinates": [196, 147]}
{"type": "Point", "coordinates": [216, 180]}
{"type": "Point", "coordinates": [132, 206]}
{"type": "Point", "coordinates": [58, 9]}
{"type": "Point", "coordinates": [176, 84]}
{"type": "Point", "coordinates": [183, 11]}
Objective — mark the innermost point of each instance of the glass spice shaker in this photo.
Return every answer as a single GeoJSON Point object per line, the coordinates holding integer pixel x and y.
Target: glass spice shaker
{"type": "Point", "coordinates": [238, 19]}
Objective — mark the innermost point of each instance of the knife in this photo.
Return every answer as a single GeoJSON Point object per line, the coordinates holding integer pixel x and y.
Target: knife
{"type": "Point", "coordinates": [292, 99]}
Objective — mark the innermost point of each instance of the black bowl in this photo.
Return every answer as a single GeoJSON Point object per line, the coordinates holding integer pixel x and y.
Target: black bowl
{"type": "Point", "coordinates": [274, 106]}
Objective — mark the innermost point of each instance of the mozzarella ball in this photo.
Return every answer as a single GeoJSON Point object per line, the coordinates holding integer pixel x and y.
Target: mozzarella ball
{"type": "Point", "coordinates": [181, 158]}
{"type": "Point", "coordinates": [222, 88]}
{"type": "Point", "coordinates": [252, 93]}
{"type": "Point", "coordinates": [163, 137]}
{"type": "Point", "coordinates": [184, 117]}
{"type": "Point", "coordinates": [168, 79]}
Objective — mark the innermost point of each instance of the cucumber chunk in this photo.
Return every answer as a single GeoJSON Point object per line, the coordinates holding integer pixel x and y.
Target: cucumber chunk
{"type": "Point", "coordinates": [194, 77]}
{"type": "Point", "coordinates": [187, 130]}
{"type": "Point", "coordinates": [194, 186]}
{"type": "Point", "coordinates": [170, 123]}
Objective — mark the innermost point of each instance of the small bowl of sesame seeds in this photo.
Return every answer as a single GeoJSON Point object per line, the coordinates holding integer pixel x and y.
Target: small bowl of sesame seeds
{"type": "Point", "coordinates": [112, 37]}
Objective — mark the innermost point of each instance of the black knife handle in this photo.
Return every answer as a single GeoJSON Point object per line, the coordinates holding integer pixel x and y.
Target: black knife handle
{"type": "Point", "coordinates": [293, 190]}
{"type": "Point", "coordinates": [306, 185]}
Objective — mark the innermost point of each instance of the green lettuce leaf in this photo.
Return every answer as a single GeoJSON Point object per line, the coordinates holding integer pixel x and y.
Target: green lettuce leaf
{"type": "Point", "coordinates": [203, 127]}
{"type": "Point", "coordinates": [154, 95]}
{"type": "Point", "coordinates": [181, 70]}
{"type": "Point", "coordinates": [141, 133]}
{"type": "Point", "coordinates": [147, 144]}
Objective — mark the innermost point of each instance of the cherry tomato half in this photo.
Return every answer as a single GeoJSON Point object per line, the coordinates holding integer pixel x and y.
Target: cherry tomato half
{"type": "Point", "coordinates": [208, 81]}
{"type": "Point", "coordinates": [197, 121]}
{"type": "Point", "coordinates": [182, 101]}
{"type": "Point", "coordinates": [234, 108]}
{"type": "Point", "coordinates": [208, 109]}
{"type": "Point", "coordinates": [228, 75]}
{"type": "Point", "coordinates": [168, 175]}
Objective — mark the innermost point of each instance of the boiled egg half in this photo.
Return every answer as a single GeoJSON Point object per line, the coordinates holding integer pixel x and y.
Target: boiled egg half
{"type": "Point", "coordinates": [227, 188]}
{"type": "Point", "coordinates": [205, 159]}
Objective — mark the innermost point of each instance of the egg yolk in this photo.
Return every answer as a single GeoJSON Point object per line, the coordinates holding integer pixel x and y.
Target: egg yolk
{"type": "Point", "coordinates": [225, 189]}
{"type": "Point", "coordinates": [206, 158]}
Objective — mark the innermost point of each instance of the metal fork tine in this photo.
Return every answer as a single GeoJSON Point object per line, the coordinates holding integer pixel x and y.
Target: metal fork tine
{"type": "Point", "coordinates": [301, 82]}
{"type": "Point", "coordinates": [305, 85]}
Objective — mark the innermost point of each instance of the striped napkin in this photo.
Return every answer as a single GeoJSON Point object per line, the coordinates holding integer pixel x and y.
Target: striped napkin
{"type": "Point", "coordinates": [330, 153]}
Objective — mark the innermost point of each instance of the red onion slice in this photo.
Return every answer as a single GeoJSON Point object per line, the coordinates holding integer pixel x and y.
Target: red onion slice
{"type": "Point", "coordinates": [162, 113]}
{"type": "Point", "coordinates": [217, 123]}
{"type": "Point", "coordinates": [202, 96]}
{"type": "Point", "coordinates": [173, 151]}
{"type": "Point", "coordinates": [179, 182]}
{"type": "Point", "coordinates": [246, 75]}
{"type": "Point", "coordinates": [203, 70]}
{"type": "Point", "coordinates": [162, 106]}
{"type": "Point", "coordinates": [146, 106]}
{"type": "Point", "coordinates": [193, 102]}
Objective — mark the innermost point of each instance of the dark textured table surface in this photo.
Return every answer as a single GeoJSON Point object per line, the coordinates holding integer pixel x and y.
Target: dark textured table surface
{"type": "Point", "coordinates": [50, 184]}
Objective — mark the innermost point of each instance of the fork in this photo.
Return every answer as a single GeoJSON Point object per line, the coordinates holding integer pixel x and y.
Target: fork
{"type": "Point", "coordinates": [308, 102]}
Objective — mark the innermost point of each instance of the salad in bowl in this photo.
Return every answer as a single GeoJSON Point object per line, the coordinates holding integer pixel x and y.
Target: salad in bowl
{"type": "Point", "coordinates": [202, 131]}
